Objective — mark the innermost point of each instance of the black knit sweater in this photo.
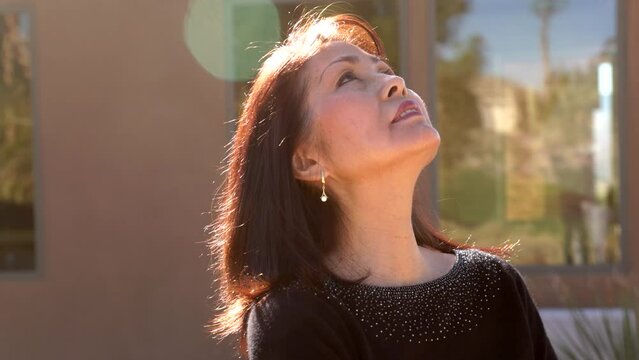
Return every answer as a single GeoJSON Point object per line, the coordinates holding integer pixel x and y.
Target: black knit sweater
{"type": "Point", "coordinates": [481, 309]}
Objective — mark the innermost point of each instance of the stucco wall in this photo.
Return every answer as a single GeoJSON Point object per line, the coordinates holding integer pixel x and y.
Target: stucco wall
{"type": "Point", "coordinates": [130, 138]}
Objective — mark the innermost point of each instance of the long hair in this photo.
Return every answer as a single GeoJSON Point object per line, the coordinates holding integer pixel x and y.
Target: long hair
{"type": "Point", "coordinates": [270, 227]}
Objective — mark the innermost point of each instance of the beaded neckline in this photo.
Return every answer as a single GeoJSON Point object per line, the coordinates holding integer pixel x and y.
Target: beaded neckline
{"type": "Point", "coordinates": [435, 310]}
{"type": "Point", "coordinates": [454, 270]}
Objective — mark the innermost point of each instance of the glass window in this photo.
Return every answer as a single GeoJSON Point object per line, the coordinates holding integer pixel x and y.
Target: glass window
{"type": "Point", "coordinates": [17, 241]}
{"type": "Point", "coordinates": [525, 108]}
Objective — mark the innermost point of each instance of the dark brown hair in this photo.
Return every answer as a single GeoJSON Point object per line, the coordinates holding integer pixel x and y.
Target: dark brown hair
{"type": "Point", "coordinates": [270, 227]}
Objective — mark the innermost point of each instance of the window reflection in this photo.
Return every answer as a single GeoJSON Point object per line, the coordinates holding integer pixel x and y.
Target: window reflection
{"type": "Point", "coordinates": [17, 245]}
{"type": "Point", "coordinates": [529, 140]}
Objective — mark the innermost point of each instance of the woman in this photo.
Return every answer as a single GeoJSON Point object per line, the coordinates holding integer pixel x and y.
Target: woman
{"type": "Point", "coordinates": [319, 248]}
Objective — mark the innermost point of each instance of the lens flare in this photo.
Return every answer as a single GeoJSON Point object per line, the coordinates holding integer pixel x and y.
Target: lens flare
{"type": "Point", "coordinates": [229, 37]}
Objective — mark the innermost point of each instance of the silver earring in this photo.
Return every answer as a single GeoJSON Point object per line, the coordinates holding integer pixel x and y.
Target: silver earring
{"type": "Point", "coordinates": [323, 197]}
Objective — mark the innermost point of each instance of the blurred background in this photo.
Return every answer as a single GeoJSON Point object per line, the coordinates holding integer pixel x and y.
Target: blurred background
{"type": "Point", "coordinates": [114, 118]}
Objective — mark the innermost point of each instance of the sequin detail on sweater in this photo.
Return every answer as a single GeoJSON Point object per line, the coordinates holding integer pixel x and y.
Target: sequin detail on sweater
{"type": "Point", "coordinates": [453, 304]}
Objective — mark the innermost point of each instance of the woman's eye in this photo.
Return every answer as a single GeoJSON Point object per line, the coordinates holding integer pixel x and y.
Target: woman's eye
{"type": "Point", "coordinates": [348, 76]}
{"type": "Point", "coordinates": [389, 71]}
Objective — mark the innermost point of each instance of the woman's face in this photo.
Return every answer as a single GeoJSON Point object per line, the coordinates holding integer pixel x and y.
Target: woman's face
{"type": "Point", "coordinates": [353, 99]}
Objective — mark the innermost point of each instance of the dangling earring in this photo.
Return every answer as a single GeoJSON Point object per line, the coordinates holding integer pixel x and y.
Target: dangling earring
{"type": "Point", "coordinates": [323, 197]}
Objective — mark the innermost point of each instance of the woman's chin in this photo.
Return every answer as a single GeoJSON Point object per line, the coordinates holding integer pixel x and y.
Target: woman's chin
{"type": "Point", "coordinates": [420, 148]}
{"type": "Point", "coordinates": [425, 138]}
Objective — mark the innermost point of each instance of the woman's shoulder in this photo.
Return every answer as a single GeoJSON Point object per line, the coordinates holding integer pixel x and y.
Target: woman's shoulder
{"type": "Point", "coordinates": [475, 258]}
{"type": "Point", "coordinates": [294, 298]}
{"type": "Point", "coordinates": [501, 269]}
{"type": "Point", "coordinates": [515, 299]}
{"type": "Point", "coordinates": [478, 256]}
{"type": "Point", "coordinates": [287, 308]}
{"type": "Point", "coordinates": [295, 319]}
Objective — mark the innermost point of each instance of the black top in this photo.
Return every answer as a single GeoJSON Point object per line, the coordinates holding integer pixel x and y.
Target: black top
{"type": "Point", "coordinates": [481, 309]}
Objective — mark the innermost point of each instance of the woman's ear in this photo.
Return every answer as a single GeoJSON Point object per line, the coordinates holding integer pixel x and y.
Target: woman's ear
{"type": "Point", "coordinates": [305, 167]}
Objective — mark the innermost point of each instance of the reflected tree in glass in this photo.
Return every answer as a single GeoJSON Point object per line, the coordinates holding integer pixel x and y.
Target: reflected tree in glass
{"type": "Point", "coordinates": [529, 144]}
{"type": "Point", "coordinates": [17, 250]}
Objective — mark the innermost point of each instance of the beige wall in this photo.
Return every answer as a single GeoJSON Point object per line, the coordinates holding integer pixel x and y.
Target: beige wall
{"type": "Point", "coordinates": [130, 139]}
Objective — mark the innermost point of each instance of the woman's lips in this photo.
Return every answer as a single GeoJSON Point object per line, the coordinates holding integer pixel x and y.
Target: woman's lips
{"type": "Point", "coordinates": [406, 110]}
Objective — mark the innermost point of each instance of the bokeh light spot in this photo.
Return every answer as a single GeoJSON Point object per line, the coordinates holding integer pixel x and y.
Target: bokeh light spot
{"type": "Point", "coordinates": [229, 37]}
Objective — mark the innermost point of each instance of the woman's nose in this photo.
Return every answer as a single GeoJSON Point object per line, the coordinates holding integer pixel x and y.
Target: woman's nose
{"type": "Point", "coordinates": [393, 86]}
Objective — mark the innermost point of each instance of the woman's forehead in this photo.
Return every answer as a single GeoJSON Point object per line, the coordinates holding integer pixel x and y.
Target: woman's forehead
{"type": "Point", "coordinates": [335, 51]}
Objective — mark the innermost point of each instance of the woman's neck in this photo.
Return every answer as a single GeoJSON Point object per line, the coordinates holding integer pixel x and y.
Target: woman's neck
{"type": "Point", "coordinates": [379, 234]}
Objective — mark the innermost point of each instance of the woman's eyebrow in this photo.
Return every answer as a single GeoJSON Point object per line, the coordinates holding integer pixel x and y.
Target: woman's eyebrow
{"type": "Point", "coordinates": [353, 59]}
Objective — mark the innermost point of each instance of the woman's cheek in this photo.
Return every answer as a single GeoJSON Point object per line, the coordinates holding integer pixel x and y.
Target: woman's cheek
{"type": "Point", "coordinates": [344, 110]}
